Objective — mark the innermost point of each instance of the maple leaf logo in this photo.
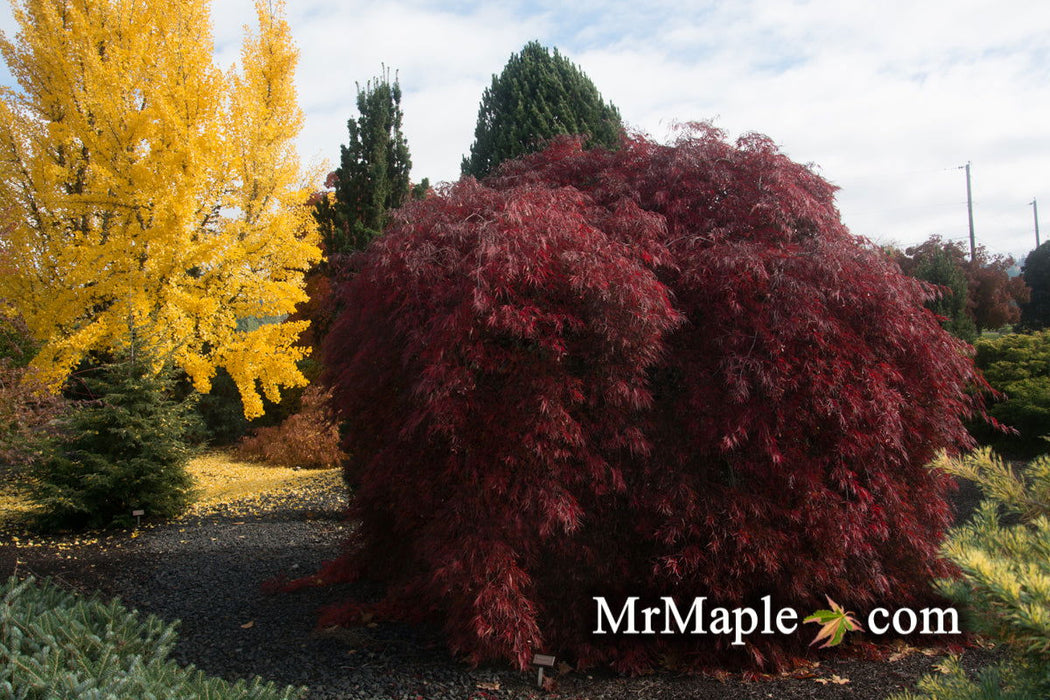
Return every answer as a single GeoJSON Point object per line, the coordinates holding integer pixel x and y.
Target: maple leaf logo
{"type": "Point", "coordinates": [833, 623]}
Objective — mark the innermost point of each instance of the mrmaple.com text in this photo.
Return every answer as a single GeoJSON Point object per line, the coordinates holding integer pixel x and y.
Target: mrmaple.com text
{"type": "Point", "coordinates": [665, 617]}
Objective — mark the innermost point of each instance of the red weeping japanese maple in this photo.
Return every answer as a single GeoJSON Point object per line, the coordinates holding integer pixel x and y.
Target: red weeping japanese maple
{"type": "Point", "coordinates": [667, 370]}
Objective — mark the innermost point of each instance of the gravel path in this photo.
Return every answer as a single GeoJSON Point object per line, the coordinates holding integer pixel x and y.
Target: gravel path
{"type": "Point", "coordinates": [207, 571]}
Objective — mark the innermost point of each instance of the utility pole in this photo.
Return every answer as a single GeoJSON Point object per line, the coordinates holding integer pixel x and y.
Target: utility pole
{"type": "Point", "coordinates": [1035, 214]}
{"type": "Point", "coordinates": [969, 211]}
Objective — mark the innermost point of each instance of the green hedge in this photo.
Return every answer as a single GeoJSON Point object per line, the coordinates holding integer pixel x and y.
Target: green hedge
{"type": "Point", "coordinates": [56, 645]}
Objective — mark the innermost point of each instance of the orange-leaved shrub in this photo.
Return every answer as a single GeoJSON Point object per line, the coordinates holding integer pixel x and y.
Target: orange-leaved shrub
{"type": "Point", "coordinates": [308, 439]}
{"type": "Point", "coordinates": [666, 370]}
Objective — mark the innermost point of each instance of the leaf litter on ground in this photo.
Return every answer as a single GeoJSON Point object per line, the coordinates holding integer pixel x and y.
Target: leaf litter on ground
{"type": "Point", "coordinates": [222, 483]}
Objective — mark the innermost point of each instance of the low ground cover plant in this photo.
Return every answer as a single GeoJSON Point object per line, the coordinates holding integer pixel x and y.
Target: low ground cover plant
{"type": "Point", "coordinates": [661, 370]}
{"type": "Point", "coordinates": [54, 644]}
{"type": "Point", "coordinates": [1004, 556]}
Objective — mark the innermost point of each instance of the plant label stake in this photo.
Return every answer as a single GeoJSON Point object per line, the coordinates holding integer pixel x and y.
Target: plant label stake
{"type": "Point", "coordinates": [541, 661]}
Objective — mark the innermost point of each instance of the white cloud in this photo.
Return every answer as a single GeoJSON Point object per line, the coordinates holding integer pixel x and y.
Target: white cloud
{"type": "Point", "coordinates": [444, 60]}
{"type": "Point", "coordinates": [886, 98]}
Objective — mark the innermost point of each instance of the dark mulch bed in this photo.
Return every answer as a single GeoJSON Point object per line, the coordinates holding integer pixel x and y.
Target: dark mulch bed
{"type": "Point", "coordinates": [207, 571]}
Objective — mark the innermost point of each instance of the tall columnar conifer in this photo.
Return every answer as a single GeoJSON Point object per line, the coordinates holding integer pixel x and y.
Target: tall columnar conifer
{"type": "Point", "coordinates": [147, 189]}
{"type": "Point", "coordinates": [539, 95]}
{"type": "Point", "coordinates": [373, 173]}
{"type": "Point", "coordinates": [372, 180]}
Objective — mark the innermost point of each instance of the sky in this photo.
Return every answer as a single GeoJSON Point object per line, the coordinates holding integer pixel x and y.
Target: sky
{"type": "Point", "coordinates": [886, 100]}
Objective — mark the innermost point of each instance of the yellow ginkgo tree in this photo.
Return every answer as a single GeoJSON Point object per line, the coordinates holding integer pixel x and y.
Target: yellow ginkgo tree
{"type": "Point", "coordinates": [150, 197]}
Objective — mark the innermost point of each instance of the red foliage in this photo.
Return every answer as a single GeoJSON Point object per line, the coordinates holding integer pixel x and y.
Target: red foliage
{"type": "Point", "coordinates": [665, 370]}
{"type": "Point", "coordinates": [29, 416]}
{"type": "Point", "coordinates": [317, 309]}
{"type": "Point", "coordinates": [994, 298]}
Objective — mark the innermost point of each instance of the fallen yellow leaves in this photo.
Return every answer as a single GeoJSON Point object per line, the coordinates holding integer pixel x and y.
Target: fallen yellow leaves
{"type": "Point", "coordinates": [222, 480]}
{"type": "Point", "coordinates": [222, 483]}
{"type": "Point", "coordinates": [63, 545]}
{"type": "Point", "coordinates": [14, 500]}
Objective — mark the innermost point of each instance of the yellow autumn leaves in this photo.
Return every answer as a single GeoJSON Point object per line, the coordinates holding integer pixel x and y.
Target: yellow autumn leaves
{"type": "Point", "coordinates": [221, 483]}
{"type": "Point", "coordinates": [241, 487]}
{"type": "Point", "coordinates": [149, 197]}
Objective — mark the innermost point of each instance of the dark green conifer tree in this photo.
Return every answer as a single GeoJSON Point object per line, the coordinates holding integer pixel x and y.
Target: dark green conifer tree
{"type": "Point", "coordinates": [1035, 314]}
{"type": "Point", "coordinates": [942, 263]}
{"type": "Point", "coordinates": [373, 173]}
{"type": "Point", "coordinates": [124, 450]}
{"type": "Point", "coordinates": [539, 95]}
{"type": "Point", "coordinates": [938, 267]}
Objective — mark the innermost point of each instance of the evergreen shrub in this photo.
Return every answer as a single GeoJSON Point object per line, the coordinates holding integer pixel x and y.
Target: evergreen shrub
{"type": "Point", "coordinates": [1004, 557]}
{"type": "Point", "coordinates": [1018, 366]}
{"type": "Point", "coordinates": [55, 645]}
{"type": "Point", "coordinates": [124, 450]}
{"type": "Point", "coordinates": [220, 420]}
{"type": "Point", "coordinates": [220, 411]}
{"type": "Point", "coordinates": [665, 370]}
